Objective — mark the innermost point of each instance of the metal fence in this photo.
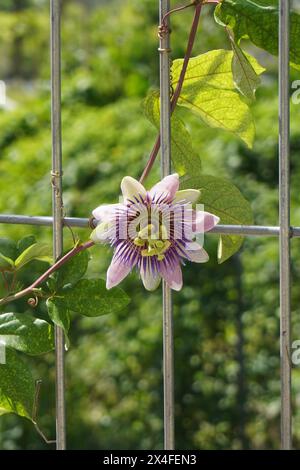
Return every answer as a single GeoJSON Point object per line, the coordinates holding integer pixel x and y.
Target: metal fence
{"type": "Point", "coordinates": [284, 231]}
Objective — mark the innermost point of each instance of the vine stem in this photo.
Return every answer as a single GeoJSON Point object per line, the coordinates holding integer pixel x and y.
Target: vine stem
{"type": "Point", "coordinates": [178, 89]}
{"type": "Point", "coordinates": [60, 262]}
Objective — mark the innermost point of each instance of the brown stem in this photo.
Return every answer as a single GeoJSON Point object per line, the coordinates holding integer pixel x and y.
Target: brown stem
{"type": "Point", "coordinates": [13, 282]}
{"type": "Point", "coordinates": [177, 91]}
{"type": "Point", "coordinates": [184, 7]}
{"type": "Point", "coordinates": [5, 281]}
{"type": "Point", "coordinates": [46, 274]}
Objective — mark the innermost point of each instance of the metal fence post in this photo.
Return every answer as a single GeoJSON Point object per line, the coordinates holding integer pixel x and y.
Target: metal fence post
{"type": "Point", "coordinates": [165, 132]}
{"type": "Point", "coordinates": [284, 216]}
{"type": "Point", "coordinates": [57, 207]}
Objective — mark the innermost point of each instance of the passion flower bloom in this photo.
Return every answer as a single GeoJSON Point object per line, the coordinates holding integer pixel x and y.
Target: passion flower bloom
{"type": "Point", "coordinates": [154, 231]}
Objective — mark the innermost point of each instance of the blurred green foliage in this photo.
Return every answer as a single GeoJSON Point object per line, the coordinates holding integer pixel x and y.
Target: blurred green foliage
{"type": "Point", "coordinates": [226, 317]}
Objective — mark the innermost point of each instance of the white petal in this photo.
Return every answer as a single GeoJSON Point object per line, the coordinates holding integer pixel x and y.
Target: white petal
{"type": "Point", "coordinates": [117, 271]}
{"type": "Point", "coordinates": [151, 281]}
{"type": "Point", "coordinates": [198, 256]}
{"type": "Point", "coordinates": [204, 221]}
{"type": "Point", "coordinates": [172, 275]}
{"type": "Point", "coordinates": [168, 186]}
{"type": "Point", "coordinates": [132, 188]}
{"type": "Point", "coordinates": [105, 212]}
{"type": "Point", "coordinates": [187, 195]}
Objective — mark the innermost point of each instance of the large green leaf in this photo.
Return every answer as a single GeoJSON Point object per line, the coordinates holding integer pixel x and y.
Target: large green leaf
{"type": "Point", "coordinates": [91, 298]}
{"type": "Point", "coordinates": [26, 333]}
{"type": "Point", "coordinates": [209, 91]}
{"type": "Point", "coordinates": [17, 386]}
{"type": "Point", "coordinates": [212, 68]}
{"type": "Point", "coordinates": [73, 270]}
{"type": "Point", "coordinates": [59, 314]}
{"type": "Point", "coordinates": [37, 251]}
{"type": "Point", "coordinates": [185, 158]}
{"type": "Point", "coordinates": [258, 21]}
{"type": "Point", "coordinates": [223, 199]}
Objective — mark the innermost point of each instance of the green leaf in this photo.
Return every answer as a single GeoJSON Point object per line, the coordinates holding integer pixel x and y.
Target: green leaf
{"type": "Point", "coordinates": [37, 251]}
{"type": "Point", "coordinates": [73, 270]}
{"type": "Point", "coordinates": [259, 23]}
{"type": "Point", "coordinates": [90, 297]}
{"type": "Point", "coordinates": [212, 68]}
{"type": "Point", "coordinates": [184, 156]}
{"type": "Point", "coordinates": [51, 284]}
{"type": "Point", "coordinates": [223, 199]}
{"type": "Point", "coordinates": [245, 77]}
{"type": "Point", "coordinates": [8, 249]}
{"type": "Point", "coordinates": [209, 91]}
{"type": "Point", "coordinates": [25, 243]}
{"type": "Point", "coordinates": [6, 263]}
{"type": "Point", "coordinates": [59, 314]}
{"type": "Point", "coordinates": [17, 387]}
{"type": "Point", "coordinates": [23, 332]}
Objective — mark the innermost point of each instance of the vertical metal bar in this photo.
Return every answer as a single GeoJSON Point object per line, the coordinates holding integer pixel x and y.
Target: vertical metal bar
{"type": "Point", "coordinates": [57, 207]}
{"type": "Point", "coordinates": [284, 215]}
{"type": "Point", "coordinates": [165, 132]}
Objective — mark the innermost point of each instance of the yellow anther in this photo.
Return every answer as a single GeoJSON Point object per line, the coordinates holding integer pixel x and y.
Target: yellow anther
{"type": "Point", "coordinates": [138, 242]}
{"type": "Point", "coordinates": [159, 244]}
{"type": "Point", "coordinates": [145, 253]}
{"type": "Point", "coordinates": [160, 257]}
{"type": "Point", "coordinates": [152, 242]}
{"type": "Point", "coordinates": [152, 251]}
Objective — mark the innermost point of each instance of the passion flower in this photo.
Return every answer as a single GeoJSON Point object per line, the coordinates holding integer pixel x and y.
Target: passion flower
{"type": "Point", "coordinates": [154, 231]}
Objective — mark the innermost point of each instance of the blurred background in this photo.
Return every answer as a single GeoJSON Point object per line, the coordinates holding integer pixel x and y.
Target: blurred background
{"type": "Point", "coordinates": [226, 317]}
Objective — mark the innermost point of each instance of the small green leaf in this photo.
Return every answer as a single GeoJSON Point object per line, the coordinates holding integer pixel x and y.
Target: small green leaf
{"type": "Point", "coordinates": [25, 243]}
{"type": "Point", "coordinates": [73, 270]}
{"type": "Point", "coordinates": [17, 387]}
{"type": "Point", "coordinates": [245, 77]}
{"type": "Point", "coordinates": [209, 91]}
{"type": "Point", "coordinates": [223, 199]}
{"type": "Point", "coordinates": [51, 284]}
{"type": "Point", "coordinates": [59, 314]}
{"type": "Point", "coordinates": [23, 332]}
{"type": "Point", "coordinates": [184, 157]}
{"type": "Point", "coordinates": [90, 297]}
{"type": "Point", "coordinates": [37, 251]}
{"type": "Point", "coordinates": [258, 21]}
{"type": "Point", "coordinates": [8, 248]}
{"type": "Point", "coordinates": [6, 263]}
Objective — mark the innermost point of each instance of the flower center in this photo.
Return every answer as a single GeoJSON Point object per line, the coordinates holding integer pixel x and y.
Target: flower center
{"type": "Point", "coordinates": [153, 242]}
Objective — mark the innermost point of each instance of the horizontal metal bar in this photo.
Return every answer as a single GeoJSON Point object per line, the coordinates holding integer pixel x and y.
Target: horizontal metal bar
{"type": "Point", "coordinates": [46, 221]}
{"type": "Point", "coordinates": [246, 230]}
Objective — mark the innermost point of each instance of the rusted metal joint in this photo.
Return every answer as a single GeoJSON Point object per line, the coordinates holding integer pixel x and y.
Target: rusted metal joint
{"type": "Point", "coordinates": [164, 49]}
{"type": "Point", "coordinates": [163, 30]}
